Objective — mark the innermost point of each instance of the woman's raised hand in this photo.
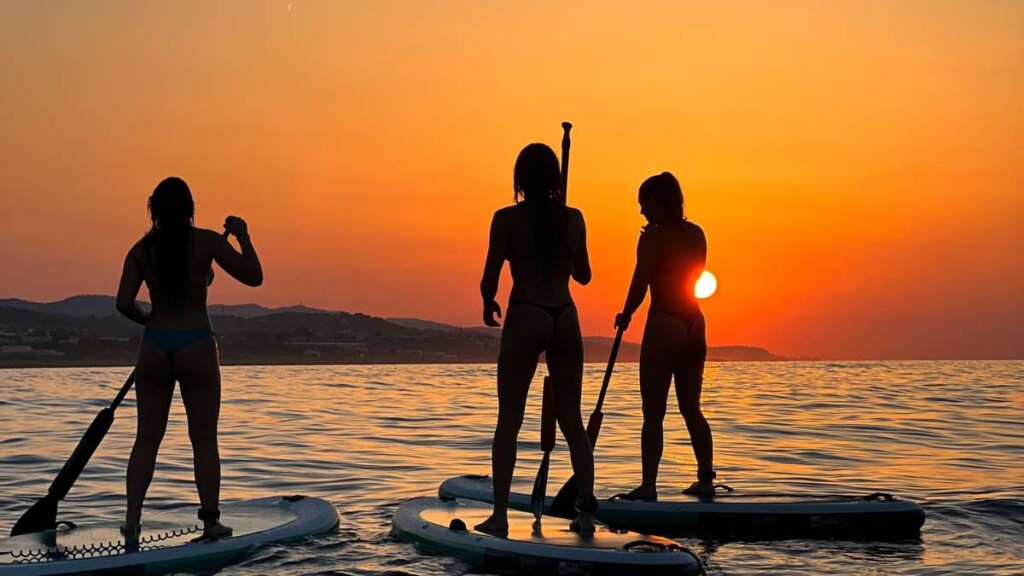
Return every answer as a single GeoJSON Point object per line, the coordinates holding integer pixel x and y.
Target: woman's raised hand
{"type": "Point", "coordinates": [235, 226]}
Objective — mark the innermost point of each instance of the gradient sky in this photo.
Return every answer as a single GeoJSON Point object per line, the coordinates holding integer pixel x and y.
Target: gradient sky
{"type": "Point", "coordinates": [858, 167]}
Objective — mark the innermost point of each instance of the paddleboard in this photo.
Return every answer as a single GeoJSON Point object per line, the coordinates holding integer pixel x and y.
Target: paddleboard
{"type": "Point", "coordinates": [446, 527]}
{"type": "Point", "coordinates": [872, 516]}
{"type": "Point", "coordinates": [166, 542]}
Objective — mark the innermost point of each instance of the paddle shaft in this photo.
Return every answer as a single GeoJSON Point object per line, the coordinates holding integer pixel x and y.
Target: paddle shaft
{"type": "Point", "coordinates": [597, 416]}
{"type": "Point", "coordinates": [88, 444]}
{"type": "Point", "coordinates": [563, 504]}
{"type": "Point", "coordinates": [547, 412]}
{"type": "Point", "coordinates": [566, 143]}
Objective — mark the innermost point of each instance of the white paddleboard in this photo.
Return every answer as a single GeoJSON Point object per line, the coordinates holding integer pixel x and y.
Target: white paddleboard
{"type": "Point", "coordinates": [166, 543]}
{"type": "Point", "coordinates": [446, 527]}
{"type": "Point", "coordinates": [874, 516]}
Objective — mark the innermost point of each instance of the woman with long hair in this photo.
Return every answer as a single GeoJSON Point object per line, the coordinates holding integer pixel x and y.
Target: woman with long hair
{"type": "Point", "coordinates": [545, 243]}
{"type": "Point", "coordinates": [174, 259]}
{"type": "Point", "coordinates": [670, 258]}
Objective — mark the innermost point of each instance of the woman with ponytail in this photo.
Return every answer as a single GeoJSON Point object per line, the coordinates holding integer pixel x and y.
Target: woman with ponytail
{"type": "Point", "coordinates": [174, 259]}
{"type": "Point", "coordinates": [545, 243]}
{"type": "Point", "coordinates": [670, 257]}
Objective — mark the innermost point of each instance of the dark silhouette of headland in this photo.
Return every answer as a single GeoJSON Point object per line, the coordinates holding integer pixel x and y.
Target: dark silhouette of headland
{"type": "Point", "coordinates": [87, 331]}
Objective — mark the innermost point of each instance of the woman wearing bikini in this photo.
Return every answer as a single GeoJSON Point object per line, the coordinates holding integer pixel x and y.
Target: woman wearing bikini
{"type": "Point", "coordinates": [545, 243]}
{"type": "Point", "coordinates": [670, 257]}
{"type": "Point", "coordinates": [174, 259]}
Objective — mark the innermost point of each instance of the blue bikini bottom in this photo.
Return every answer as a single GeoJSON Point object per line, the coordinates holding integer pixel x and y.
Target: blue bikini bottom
{"type": "Point", "coordinates": [172, 341]}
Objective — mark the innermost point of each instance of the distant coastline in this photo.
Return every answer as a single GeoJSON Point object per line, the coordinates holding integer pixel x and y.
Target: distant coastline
{"type": "Point", "coordinates": [85, 331]}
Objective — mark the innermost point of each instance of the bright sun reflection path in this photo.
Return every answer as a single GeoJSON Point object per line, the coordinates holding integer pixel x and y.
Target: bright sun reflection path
{"type": "Point", "coordinates": [706, 285]}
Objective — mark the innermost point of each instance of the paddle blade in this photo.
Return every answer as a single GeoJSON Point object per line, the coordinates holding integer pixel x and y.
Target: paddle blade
{"type": "Point", "coordinates": [594, 428]}
{"type": "Point", "coordinates": [564, 504]}
{"type": "Point", "coordinates": [540, 487]}
{"type": "Point", "coordinates": [41, 516]}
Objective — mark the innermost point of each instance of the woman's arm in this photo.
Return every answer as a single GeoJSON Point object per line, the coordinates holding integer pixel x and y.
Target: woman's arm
{"type": "Point", "coordinates": [128, 289]}
{"type": "Point", "coordinates": [243, 266]}
{"type": "Point", "coordinates": [497, 249]}
{"type": "Point", "coordinates": [641, 280]}
{"type": "Point", "coordinates": [581, 266]}
{"type": "Point", "coordinates": [703, 247]}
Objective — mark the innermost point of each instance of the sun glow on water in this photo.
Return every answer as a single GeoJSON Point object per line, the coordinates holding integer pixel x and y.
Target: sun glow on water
{"type": "Point", "coordinates": [706, 285]}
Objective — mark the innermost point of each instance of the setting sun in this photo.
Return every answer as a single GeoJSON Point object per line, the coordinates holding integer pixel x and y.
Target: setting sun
{"type": "Point", "coordinates": [706, 285]}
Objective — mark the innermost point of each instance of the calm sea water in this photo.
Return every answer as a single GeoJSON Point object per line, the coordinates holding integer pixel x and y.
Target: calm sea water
{"type": "Point", "coordinates": [945, 434]}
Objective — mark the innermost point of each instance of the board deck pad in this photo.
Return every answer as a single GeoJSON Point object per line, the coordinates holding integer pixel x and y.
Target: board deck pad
{"type": "Point", "coordinates": [167, 529]}
{"type": "Point", "coordinates": [774, 515]}
{"type": "Point", "coordinates": [551, 548]}
{"type": "Point", "coordinates": [553, 531]}
{"type": "Point", "coordinates": [167, 541]}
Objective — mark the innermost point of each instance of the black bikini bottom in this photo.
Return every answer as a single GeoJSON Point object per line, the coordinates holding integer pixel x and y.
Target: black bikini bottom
{"type": "Point", "coordinates": [687, 318]}
{"type": "Point", "coordinates": [554, 311]}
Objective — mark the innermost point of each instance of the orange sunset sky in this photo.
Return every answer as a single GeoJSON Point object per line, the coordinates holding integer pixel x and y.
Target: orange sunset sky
{"type": "Point", "coordinates": [858, 167]}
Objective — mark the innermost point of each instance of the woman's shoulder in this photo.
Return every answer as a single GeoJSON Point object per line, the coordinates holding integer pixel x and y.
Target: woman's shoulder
{"type": "Point", "coordinates": [668, 231]}
{"type": "Point", "coordinates": [506, 211]}
{"type": "Point", "coordinates": [693, 228]}
{"type": "Point", "coordinates": [138, 250]}
{"type": "Point", "coordinates": [207, 235]}
{"type": "Point", "coordinates": [208, 241]}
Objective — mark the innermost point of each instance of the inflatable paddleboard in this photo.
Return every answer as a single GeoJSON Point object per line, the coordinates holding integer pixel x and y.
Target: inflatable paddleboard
{"type": "Point", "coordinates": [873, 516]}
{"type": "Point", "coordinates": [446, 527]}
{"type": "Point", "coordinates": [166, 542]}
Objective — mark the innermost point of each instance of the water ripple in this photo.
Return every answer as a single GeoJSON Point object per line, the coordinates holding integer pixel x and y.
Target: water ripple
{"type": "Point", "coordinates": [945, 434]}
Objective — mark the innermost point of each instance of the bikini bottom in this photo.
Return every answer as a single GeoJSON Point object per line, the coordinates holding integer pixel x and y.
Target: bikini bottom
{"type": "Point", "coordinates": [172, 341]}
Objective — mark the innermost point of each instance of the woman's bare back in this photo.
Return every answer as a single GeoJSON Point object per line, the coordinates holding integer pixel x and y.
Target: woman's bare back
{"type": "Point", "coordinates": [534, 278]}
{"type": "Point", "coordinates": [191, 313]}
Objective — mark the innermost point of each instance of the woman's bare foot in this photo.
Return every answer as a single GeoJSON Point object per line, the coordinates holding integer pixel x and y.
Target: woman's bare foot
{"type": "Point", "coordinates": [583, 524]}
{"type": "Point", "coordinates": [216, 531]}
{"type": "Point", "coordinates": [494, 525]}
{"type": "Point", "coordinates": [641, 493]}
{"type": "Point", "coordinates": [701, 488]}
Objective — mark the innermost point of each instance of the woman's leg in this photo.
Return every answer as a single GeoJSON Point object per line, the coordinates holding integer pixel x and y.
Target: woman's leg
{"type": "Point", "coordinates": [517, 363]}
{"type": "Point", "coordinates": [154, 388]}
{"type": "Point", "coordinates": [655, 379]}
{"type": "Point", "coordinates": [565, 364]}
{"type": "Point", "coordinates": [197, 368]}
{"type": "Point", "coordinates": [689, 373]}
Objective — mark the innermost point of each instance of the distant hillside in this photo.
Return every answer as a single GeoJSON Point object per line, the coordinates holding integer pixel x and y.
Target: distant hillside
{"type": "Point", "coordinates": [99, 305]}
{"type": "Point", "coordinates": [87, 330]}
{"type": "Point", "coordinates": [742, 354]}
{"type": "Point", "coordinates": [423, 324]}
{"type": "Point", "coordinates": [255, 310]}
{"type": "Point", "coordinates": [440, 326]}
{"type": "Point", "coordinates": [86, 305]}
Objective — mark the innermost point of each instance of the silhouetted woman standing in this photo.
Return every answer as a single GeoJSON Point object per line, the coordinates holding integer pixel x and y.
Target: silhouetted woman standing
{"type": "Point", "coordinates": [545, 243]}
{"type": "Point", "coordinates": [670, 258]}
{"type": "Point", "coordinates": [174, 259]}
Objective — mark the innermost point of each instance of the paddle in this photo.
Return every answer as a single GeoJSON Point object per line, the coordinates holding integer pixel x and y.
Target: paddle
{"type": "Point", "coordinates": [547, 412]}
{"type": "Point", "coordinates": [563, 505]}
{"type": "Point", "coordinates": [547, 443]}
{"type": "Point", "coordinates": [43, 514]}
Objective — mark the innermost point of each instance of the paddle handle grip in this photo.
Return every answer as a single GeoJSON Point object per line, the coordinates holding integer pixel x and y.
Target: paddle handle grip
{"type": "Point", "coordinates": [83, 452]}
{"type": "Point", "coordinates": [547, 417]}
